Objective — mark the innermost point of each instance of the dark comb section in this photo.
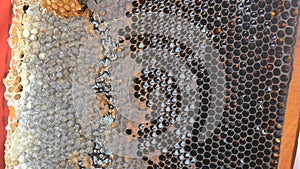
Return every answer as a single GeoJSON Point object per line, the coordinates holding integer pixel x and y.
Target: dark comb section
{"type": "Point", "coordinates": [224, 68]}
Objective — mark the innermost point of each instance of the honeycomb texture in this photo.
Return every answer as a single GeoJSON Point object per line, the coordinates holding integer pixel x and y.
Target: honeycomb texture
{"type": "Point", "coordinates": [49, 77]}
{"type": "Point", "coordinates": [149, 83]}
{"type": "Point", "coordinates": [67, 8]}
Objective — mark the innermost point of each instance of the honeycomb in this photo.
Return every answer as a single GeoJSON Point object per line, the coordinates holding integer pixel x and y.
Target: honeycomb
{"type": "Point", "coordinates": [149, 83]}
{"type": "Point", "coordinates": [65, 8]}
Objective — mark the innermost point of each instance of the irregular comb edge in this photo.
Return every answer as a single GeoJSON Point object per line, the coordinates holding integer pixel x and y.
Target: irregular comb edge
{"type": "Point", "coordinates": [18, 78]}
{"type": "Point", "coordinates": [14, 81]}
{"type": "Point", "coordinates": [20, 74]}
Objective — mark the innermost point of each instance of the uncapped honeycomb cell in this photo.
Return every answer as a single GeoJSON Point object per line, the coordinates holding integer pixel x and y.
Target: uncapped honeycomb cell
{"type": "Point", "coordinates": [149, 83]}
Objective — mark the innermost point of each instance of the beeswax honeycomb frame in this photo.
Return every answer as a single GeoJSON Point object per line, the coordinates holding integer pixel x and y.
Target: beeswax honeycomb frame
{"type": "Point", "coordinates": [17, 63]}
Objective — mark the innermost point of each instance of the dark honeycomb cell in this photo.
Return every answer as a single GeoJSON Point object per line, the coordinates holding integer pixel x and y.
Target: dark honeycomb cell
{"type": "Point", "coordinates": [214, 76]}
